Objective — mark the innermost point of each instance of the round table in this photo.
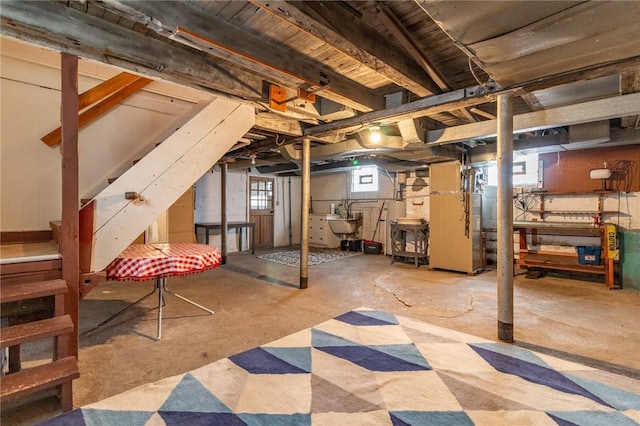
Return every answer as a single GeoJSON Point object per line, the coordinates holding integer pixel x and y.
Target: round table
{"type": "Point", "coordinates": [157, 261]}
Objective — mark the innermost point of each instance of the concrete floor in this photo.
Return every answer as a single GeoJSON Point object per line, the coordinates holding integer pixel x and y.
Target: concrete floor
{"type": "Point", "coordinates": [256, 301]}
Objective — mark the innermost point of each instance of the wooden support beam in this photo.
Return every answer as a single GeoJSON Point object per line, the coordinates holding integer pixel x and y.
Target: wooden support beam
{"type": "Point", "coordinates": [101, 108]}
{"type": "Point", "coordinates": [279, 65]}
{"type": "Point", "coordinates": [62, 28]}
{"type": "Point", "coordinates": [407, 41]}
{"type": "Point", "coordinates": [403, 37]}
{"type": "Point", "coordinates": [68, 346]}
{"type": "Point", "coordinates": [104, 89]}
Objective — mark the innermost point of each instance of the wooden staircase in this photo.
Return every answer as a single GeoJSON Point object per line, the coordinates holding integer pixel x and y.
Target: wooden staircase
{"type": "Point", "coordinates": [32, 295]}
{"type": "Point", "coordinates": [117, 215]}
{"type": "Point", "coordinates": [30, 322]}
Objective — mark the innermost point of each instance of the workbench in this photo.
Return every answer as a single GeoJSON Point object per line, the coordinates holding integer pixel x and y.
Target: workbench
{"type": "Point", "coordinates": [230, 225]}
{"type": "Point", "coordinates": [606, 234]}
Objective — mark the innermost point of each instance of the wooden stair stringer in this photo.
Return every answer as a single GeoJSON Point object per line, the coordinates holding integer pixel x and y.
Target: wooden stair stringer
{"type": "Point", "coordinates": [163, 175]}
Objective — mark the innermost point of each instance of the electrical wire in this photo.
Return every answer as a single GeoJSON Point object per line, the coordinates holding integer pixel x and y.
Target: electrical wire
{"type": "Point", "coordinates": [473, 73]}
{"type": "Point", "coordinates": [628, 170]}
{"type": "Point", "coordinates": [524, 202]}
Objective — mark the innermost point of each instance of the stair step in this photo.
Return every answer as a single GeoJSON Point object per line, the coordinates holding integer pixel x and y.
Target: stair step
{"type": "Point", "coordinates": [38, 378]}
{"type": "Point", "coordinates": [13, 292]}
{"type": "Point", "coordinates": [35, 330]}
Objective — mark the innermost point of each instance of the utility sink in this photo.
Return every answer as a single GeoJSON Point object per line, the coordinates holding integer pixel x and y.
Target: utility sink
{"type": "Point", "coordinates": [344, 226]}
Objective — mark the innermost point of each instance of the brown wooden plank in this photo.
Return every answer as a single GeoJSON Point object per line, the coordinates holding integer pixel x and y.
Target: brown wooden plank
{"type": "Point", "coordinates": [35, 330]}
{"type": "Point", "coordinates": [70, 194]}
{"type": "Point", "coordinates": [86, 220]}
{"type": "Point", "coordinates": [99, 109]}
{"type": "Point", "coordinates": [25, 267]}
{"type": "Point", "coordinates": [32, 277]}
{"type": "Point", "coordinates": [564, 263]}
{"type": "Point", "coordinates": [31, 380]}
{"type": "Point", "coordinates": [22, 291]}
{"type": "Point", "coordinates": [12, 237]}
{"type": "Point", "coordinates": [104, 89]}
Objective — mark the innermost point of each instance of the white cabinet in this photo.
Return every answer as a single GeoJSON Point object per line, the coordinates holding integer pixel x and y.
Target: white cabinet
{"type": "Point", "coordinates": [320, 234]}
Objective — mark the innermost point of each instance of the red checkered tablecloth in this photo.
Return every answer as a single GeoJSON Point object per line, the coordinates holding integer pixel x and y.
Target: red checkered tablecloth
{"type": "Point", "coordinates": [140, 262]}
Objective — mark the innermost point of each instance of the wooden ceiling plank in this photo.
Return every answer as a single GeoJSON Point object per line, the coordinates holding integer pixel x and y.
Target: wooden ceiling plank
{"type": "Point", "coordinates": [402, 36]}
{"type": "Point", "coordinates": [93, 113]}
{"type": "Point", "coordinates": [248, 50]}
{"type": "Point", "coordinates": [338, 28]}
{"type": "Point", "coordinates": [405, 39]}
{"type": "Point", "coordinates": [58, 27]}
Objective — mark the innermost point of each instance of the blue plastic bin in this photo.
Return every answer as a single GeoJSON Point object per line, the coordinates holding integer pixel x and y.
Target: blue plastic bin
{"type": "Point", "coordinates": [589, 255]}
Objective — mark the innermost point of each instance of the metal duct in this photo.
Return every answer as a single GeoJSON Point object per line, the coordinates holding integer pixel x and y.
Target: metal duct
{"type": "Point", "coordinates": [592, 133]}
{"type": "Point", "coordinates": [411, 131]}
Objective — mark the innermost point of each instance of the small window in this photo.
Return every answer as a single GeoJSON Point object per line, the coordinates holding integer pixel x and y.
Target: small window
{"type": "Point", "coordinates": [525, 171]}
{"type": "Point", "coordinates": [261, 195]}
{"type": "Point", "coordinates": [365, 179]}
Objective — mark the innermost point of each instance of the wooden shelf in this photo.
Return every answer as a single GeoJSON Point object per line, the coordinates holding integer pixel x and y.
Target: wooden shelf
{"type": "Point", "coordinates": [554, 261]}
{"type": "Point", "coordinates": [566, 261]}
{"type": "Point", "coordinates": [573, 212]}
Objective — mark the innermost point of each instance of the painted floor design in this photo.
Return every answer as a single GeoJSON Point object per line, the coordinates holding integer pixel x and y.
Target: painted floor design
{"type": "Point", "coordinates": [316, 256]}
{"type": "Point", "coordinates": [367, 367]}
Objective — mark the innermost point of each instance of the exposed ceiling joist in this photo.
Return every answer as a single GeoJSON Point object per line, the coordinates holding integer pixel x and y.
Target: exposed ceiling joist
{"type": "Point", "coordinates": [218, 38]}
{"type": "Point", "coordinates": [48, 24]}
{"type": "Point", "coordinates": [334, 25]}
{"type": "Point", "coordinates": [403, 37]}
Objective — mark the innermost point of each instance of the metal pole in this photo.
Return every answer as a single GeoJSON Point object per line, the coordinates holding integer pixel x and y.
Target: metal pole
{"type": "Point", "coordinates": [304, 231]}
{"type": "Point", "coordinates": [223, 211]}
{"type": "Point", "coordinates": [505, 217]}
{"type": "Point", "coordinates": [290, 215]}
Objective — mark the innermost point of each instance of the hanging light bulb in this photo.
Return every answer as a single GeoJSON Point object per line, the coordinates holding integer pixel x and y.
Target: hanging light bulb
{"type": "Point", "coordinates": [374, 134]}
{"type": "Point", "coordinates": [253, 159]}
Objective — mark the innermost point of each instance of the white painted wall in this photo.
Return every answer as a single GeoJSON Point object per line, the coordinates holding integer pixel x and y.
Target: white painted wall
{"type": "Point", "coordinates": [208, 191]}
{"type": "Point", "coordinates": [30, 182]}
{"type": "Point", "coordinates": [417, 196]}
{"type": "Point", "coordinates": [628, 204]}
{"type": "Point", "coordinates": [336, 188]}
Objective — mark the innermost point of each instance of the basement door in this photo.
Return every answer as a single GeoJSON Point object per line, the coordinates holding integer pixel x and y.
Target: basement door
{"type": "Point", "coordinates": [261, 210]}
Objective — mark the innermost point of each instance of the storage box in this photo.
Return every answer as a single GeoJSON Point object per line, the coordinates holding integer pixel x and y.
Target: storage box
{"type": "Point", "coordinates": [372, 247]}
{"type": "Point", "coordinates": [589, 255]}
